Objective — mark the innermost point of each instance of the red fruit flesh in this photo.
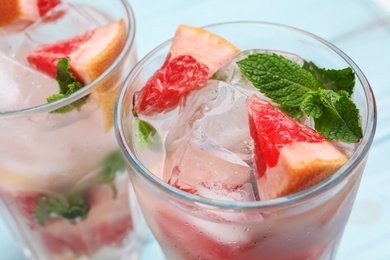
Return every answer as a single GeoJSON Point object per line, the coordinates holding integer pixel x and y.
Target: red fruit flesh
{"type": "Point", "coordinates": [173, 81]}
{"type": "Point", "coordinates": [46, 57]}
{"type": "Point", "coordinates": [46, 5]}
{"type": "Point", "coordinates": [26, 203]}
{"type": "Point", "coordinates": [289, 156]}
{"type": "Point", "coordinates": [273, 129]}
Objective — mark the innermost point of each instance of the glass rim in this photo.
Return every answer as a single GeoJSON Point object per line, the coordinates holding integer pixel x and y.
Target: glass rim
{"type": "Point", "coordinates": [347, 169]}
{"type": "Point", "coordinates": [87, 89]}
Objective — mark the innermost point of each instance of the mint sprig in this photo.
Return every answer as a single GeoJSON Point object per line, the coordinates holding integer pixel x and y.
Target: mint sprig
{"type": "Point", "coordinates": [74, 206]}
{"type": "Point", "coordinates": [322, 94]}
{"type": "Point", "coordinates": [112, 164]}
{"type": "Point", "coordinates": [68, 84]}
{"type": "Point", "coordinates": [71, 207]}
{"type": "Point", "coordinates": [145, 134]}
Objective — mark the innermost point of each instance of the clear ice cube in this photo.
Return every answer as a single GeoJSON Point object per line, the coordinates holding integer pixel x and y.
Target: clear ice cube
{"type": "Point", "coordinates": [21, 86]}
{"type": "Point", "coordinates": [199, 162]}
{"type": "Point", "coordinates": [231, 73]}
{"type": "Point", "coordinates": [218, 110]}
{"type": "Point", "coordinates": [209, 144]}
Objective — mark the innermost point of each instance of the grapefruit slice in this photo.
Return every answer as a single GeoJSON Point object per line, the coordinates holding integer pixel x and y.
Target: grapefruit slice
{"type": "Point", "coordinates": [24, 10]}
{"type": "Point", "coordinates": [89, 56]}
{"type": "Point", "coordinates": [289, 156]}
{"type": "Point", "coordinates": [195, 55]}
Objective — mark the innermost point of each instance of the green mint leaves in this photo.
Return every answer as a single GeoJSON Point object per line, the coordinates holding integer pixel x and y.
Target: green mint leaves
{"type": "Point", "coordinates": [68, 84]}
{"type": "Point", "coordinates": [74, 206]}
{"type": "Point", "coordinates": [71, 207]}
{"type": "Point", "coordinates": [145, 134]}
{"type": "Point", "coordinates": [322, 94]}
{"type": "Point", "coordinates": [112, 164]}
{"type": "Point", "coordinates": [332, 79]}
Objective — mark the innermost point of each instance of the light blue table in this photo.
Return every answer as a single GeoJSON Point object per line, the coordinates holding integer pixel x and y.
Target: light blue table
{"type": "Point", "coordinates": [359, 27]}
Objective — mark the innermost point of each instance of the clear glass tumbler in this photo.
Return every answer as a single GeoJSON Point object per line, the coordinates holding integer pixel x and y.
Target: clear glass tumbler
{"type": "Point", "coordinates": [64, 190]}
{"type": "Point", "coordinates": [305, 225]}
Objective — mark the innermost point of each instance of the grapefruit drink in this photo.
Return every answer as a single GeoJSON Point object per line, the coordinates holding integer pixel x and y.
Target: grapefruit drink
{"type": "Point", "coordinates": [64, 193]}
{"type": "Point", "coordinates": [246, 140]}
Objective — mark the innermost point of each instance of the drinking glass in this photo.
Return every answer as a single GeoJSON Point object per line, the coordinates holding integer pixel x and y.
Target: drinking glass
{"type": "Point", "coordinates": [64, 190]}
{"type": "Point", "coordinates": [305, 225]}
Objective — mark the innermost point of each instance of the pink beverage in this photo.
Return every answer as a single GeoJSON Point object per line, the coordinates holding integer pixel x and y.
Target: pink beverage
{"type": "Point", "coordinates": [64, 193]}
{"type": "Point", "coordinates": [213, 163]}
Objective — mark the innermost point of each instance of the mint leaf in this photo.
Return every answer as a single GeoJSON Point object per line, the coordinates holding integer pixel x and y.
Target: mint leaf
{"type": "Point", "coordinates": [68, 84]}
{"type": "Point", "coordinates": [74, 206]}
{"type": "Point", "coordinates": [336, 80]}
{"type": "Point", "coordinates": [312, 105]}
{"type": "Point", "coordinates": [145, 134]}
{"type": "Point", "coordinates": [71, 207]}
{"type": "Point", "coordinates": [317, 92]}
{"type": "Point", "coordinates": [112, 164]}
{"type": "Point", "coordinates": [340, 119]}
{"type": "Point", "coordinates": [278, 78]}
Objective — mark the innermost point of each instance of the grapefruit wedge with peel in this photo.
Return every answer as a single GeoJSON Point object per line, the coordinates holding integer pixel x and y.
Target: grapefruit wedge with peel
{"type": "Point", "coordinates": [195, 55]}
{"type": "Point", "coordinates": [24, 10]}
{"type": "Point", "coordinates": [89, 56]}
{"type": "Point", "coordinates": [289, 156]}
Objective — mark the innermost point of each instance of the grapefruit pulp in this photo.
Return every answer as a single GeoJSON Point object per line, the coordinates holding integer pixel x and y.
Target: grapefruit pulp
{"type": "Point", "coordinates": [89, 56]}
{"type": "Point", "coordinates": [195, 55]}
{"type": "Point", "coordinates": [289, 156]}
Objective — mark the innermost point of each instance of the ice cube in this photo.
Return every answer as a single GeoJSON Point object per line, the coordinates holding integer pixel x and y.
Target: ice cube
{"type": "Point", "coordinates": [21, 86]}
{"type": "Point", "coordinates": [199, 162]}
{"type": "Point", "coordinates": [218, 110]}
{"type": "Point", "coordinates": [231, 73]}
{"type": "Point", "coordinates": [209, 144]}
{"type": "Point", "coordinates": [62, 22]}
